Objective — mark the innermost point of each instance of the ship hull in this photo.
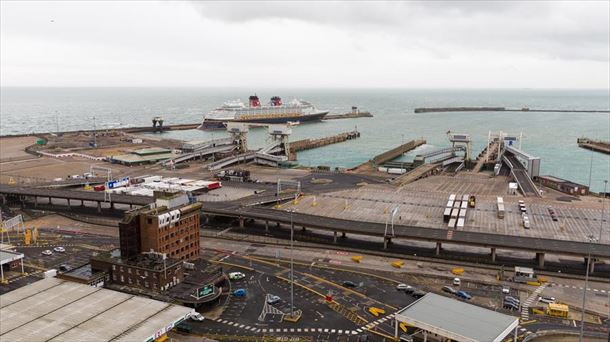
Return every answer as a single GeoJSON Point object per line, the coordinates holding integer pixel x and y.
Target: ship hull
{"type": "Point", "coordinates": [210, 124]}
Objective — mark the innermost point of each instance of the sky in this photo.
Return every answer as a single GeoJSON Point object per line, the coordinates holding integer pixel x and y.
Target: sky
{"type": "Point", "coordinates": [432, 44]}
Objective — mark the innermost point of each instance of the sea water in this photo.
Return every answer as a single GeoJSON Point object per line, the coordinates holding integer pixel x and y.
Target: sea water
{"type": "Point", "coordinates": [550, 136]}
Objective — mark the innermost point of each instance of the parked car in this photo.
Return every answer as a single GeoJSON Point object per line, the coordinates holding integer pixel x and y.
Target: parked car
{"type": "Point", "coordinates": [547, 300]}
{"type": "Point", "coordinates": [64, 268]}
{"type": "Point", "coordinates": [47, 252]}
{"type": "Point", "coordinates": [59, 249]}
{"type": "Point", "coordinates": [410, 290]}
{"type": "Point", "coordinates": [505, 289]}
{"type": "Point", "coordinates": [464, 294]}
{"type": "Point", "coordinates": [273, 299]}
{"type": "Point", "coordinates": [236, 275]}
{"type": "Point", "coordinates": [349, 283]}
{"type": "Point", "coordinates": [511, 306]}
{"type": "Point", "coordinates": [183, 327]}
{"type": "Point", "coordinates": [419, 294]}
{"type": "Point", "coordinates": [197, 317]}
{"type": "Point", "coordinates": [457, 281]}
{"type": "Point", "coordinates": [449, 289]}
{"type": "Point", "coordinates": [239, 293]}
{"type": "Point", "coordinates": [402, 287]}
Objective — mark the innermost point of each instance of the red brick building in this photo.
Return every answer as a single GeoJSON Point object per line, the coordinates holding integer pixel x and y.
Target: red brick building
{"type": "Point", "coordinates": [171, 227]}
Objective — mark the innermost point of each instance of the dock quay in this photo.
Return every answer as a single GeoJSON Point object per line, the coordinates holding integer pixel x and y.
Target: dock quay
{"type": "Point", "coordinates": [349, 116]}
{"type": "Point", "coordinates": [397, 151]}
{"type": "Point", "coordinates": [307, 144]}
{"type": "Point", "coordinates": [595, 145]}
{"type": "Point", "coordinates": [502, 109]}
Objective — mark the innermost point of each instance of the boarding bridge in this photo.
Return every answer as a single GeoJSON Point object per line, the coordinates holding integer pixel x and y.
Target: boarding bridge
{"type": "Point", "coordinates": [244, 157]}
{"type": "Point", "coordinates": [421, 158]}
{"type": "Point", "coordinates": [200, 154]}
{"type": "Point", "coordinates": [531, 163]}
{"type": "Point", "coordinates": [198, 145]}
{"type": "Point", "coordinates": [520, 174]}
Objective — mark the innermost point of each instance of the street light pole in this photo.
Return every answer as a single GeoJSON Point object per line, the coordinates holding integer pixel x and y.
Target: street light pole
{"type": "Point", "coordinates": [291, 265]}
{"type": "Point", "coordinates": [584, 291]}
{"type": "Point", "coordinates": [601, 222]}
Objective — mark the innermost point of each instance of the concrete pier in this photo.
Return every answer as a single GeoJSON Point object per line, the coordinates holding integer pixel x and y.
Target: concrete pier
{"type": "Point", "coordinates": [397, 151]}
{"type": "Point", "coordinates": [306, 144]}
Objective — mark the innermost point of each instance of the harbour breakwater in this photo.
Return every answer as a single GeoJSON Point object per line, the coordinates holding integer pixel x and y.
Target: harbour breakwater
{"type": "Point", "coordinates": [502, 109]}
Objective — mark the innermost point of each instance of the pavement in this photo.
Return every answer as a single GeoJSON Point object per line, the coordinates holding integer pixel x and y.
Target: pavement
{"type": "Point", "coordinates": [322, 273]}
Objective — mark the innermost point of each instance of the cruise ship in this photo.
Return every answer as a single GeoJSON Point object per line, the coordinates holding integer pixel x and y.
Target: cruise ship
{"type": "Point", "coordinates": [273, 112]}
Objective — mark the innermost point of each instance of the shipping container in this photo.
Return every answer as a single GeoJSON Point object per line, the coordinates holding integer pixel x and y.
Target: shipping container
{"type": "Point", "coordinates": [451, 223]}
{"type": "Point", "coordinates": [452, 197]}
{"type": "Point", "coordinates": [455, 213]}
{"type": "Point", "coordinates": [447, 214]}
{"type": "Point", "coordinates": [457, 204]}
{"type": "Point", "coordinates": [464, 205]}
{"type": "Point", "coordinates": [449, 204]}
{"type": "Point", "coordinates": [460, 223]}
{"type": "Point", "coordinates": [465, 198]}
{"type": "Point", "coordinates": [462, 213]}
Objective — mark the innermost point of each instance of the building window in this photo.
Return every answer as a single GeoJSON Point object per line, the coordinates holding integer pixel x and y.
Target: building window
{"type": "Point", "coordinates": [114, 267]}
{"type": "Point", "coordinates": [137, 272]}
{"type": "Point", "coordinates": [121, 268]}
{"type": "Point", "coordinates": [129, 280]}
{"type": "Point", "coordinates": [122, 279]}
{"type": "Point", "coordinates": [145, 284]}
{"type": "Point", "coordinates": [114, 277]}
{"type": "Point", "coordinates": [129, 270]}
{"type": "Point", "coordinates": [146, 273]}
{"type": "Point", "coordinates": [150, 220]}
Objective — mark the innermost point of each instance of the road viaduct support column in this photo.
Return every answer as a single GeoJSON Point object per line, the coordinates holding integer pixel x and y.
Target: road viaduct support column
{"type": "Point", "coordinates": [540, 260]}
{"type": "Point", "coordinates": [68, 202]}
{"type": "Point", "coordinates": [335, 237]}
{"type": "Point", "coordinates": [50, 200]}
{"type": "Point", "coordinates": [35, 201]}
{"type": "Point", "coordinates": [437, 250]}
{"type": "Point", "coordinates": [99, 206]}
{"type": "Point", "coordinates": [267, 226]}
{"type": "Point", "coordinates": [386, 241]}
{"type": "Point", "coordinates": [493, 254]}
{"type": "Point", "coordinates": [241, 222]}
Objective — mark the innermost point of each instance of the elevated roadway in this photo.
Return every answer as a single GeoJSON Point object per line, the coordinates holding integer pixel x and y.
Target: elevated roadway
{"type": "Point", "coordinates": [486, 240]}
{"type": "Point", "coordinates": [92, 196]}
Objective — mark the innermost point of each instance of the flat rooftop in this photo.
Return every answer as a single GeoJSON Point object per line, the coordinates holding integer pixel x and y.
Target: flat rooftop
{"type": "Point", "coordinates": [9, 256]}
{"type": "Point", "coordinates": [57, 310]}
{"type": "Point", "coordinates": [457, 320]}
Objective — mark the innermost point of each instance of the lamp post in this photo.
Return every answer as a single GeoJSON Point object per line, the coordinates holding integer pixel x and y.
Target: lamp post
{"type": "Point", "coordinates": [292, 210]}
{"type": "Point", "coordinates": [601, 222]}
{"type": "Point", "coordinates": [584, 291]}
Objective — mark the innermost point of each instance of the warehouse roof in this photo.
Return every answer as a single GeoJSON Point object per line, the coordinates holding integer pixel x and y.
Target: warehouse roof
{"type": "Point", "coordinates": [57, 310]}
{"type": "Point", "coordinates": [457, 320]}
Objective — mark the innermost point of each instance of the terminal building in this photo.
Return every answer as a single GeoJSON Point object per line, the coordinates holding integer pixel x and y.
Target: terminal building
{"type": "Point", "coordinates": [158, 255]}
{"type": "Point", "coordinates": [170, 226]}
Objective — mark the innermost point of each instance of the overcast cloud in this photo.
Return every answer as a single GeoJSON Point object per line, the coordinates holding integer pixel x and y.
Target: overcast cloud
{"type": "Point", "coordinates": [434, 44]}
